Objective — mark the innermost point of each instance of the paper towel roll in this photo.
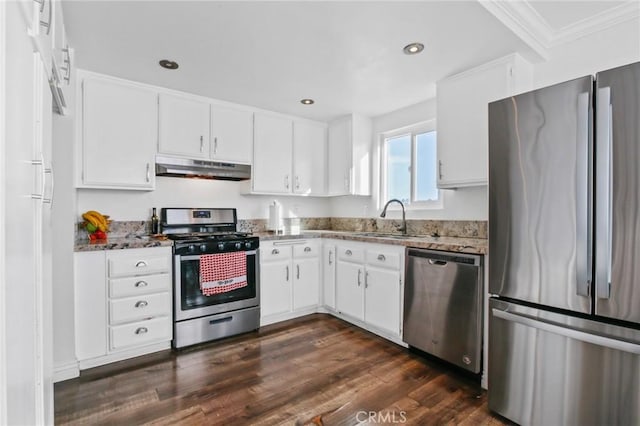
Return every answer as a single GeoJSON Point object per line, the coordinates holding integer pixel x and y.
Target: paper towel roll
{"type": "Point", "coordinates": [275, 216]}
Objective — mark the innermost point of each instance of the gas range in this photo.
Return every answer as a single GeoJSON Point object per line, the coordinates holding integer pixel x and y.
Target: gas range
{"type": "Point", "coordinates": [205, 231]}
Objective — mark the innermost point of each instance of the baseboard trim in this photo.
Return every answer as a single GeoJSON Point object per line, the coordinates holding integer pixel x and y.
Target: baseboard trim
{"type": "Point", "coordinates": [66, 371]}
{"type": "Point", "coordinates": [121, 356]}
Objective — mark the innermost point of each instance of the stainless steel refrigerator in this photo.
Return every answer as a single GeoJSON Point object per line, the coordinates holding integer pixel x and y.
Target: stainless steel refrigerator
{"type": "Point", "coordinates": [564, 252]}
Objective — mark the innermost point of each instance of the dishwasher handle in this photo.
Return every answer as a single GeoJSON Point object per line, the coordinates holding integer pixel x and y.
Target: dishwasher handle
{"type": "Point", "coordinates": [440, 258]}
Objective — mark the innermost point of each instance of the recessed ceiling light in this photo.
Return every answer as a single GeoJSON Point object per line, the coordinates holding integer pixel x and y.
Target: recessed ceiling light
{"type": "Point", "coordinates": [413, 48]}
{"type": "Point", "coordinates": [307, 101]}
{"type": "Point", "coordinates": [170, 65]}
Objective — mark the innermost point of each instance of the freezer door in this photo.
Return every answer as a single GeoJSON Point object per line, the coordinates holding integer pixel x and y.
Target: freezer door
{"type": "Point", "coordinates": [618, 193]}
{"type": "Point", "coordinates": [540, 196]}
{"type": "Point", "coordinates": [551, 369]}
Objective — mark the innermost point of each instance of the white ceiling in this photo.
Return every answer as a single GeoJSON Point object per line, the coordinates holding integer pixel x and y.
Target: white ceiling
{"type": "Point", "coordinates": [345, 55]}
{"type": "Point", "coordinates": [562, 14]}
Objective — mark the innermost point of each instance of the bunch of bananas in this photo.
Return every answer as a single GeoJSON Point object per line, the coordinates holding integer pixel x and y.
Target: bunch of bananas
{"type": "Point", "coordinates": [96, 221]}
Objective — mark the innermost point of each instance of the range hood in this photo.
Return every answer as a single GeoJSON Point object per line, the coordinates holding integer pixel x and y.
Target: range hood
{"type": "Point", "coordinates": [204, 169]}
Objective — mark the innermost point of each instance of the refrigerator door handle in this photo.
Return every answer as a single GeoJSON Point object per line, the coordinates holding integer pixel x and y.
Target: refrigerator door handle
{"type": "Point", "coordinates": [604, 190]}
{"type": "Point", "coordinates": [583, 201]}
{"type": "Point", "coordinates": [596, 339]}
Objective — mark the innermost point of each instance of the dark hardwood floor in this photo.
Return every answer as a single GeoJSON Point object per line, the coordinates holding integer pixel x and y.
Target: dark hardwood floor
{"type": "Point", "coordinates": [312, 370]}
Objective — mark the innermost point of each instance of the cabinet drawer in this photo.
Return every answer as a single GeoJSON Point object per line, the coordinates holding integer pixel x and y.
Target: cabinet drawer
{"type": "Point", "coordinates": [139, 307]}
{"type": "Point", "coordinates": [384, 259]}
{"type": "Point", "coordinates": [311, 249]}
{"type": "Point", "coordinates": [350, 253]}
{"type": "Point", "coordinates": [271, 252]}
{"type": "Point", "coordinates": [140, 332]}
{"type": "Point", "coordinates": [139, 264]}
{"type": "Point", "coordinates": [134, 286]}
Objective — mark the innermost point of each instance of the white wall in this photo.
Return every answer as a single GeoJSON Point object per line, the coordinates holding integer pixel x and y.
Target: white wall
{"type": "Point", "coordinates": [460, 204]}
{"type": "Point", "coordinates": [182, 192]}
{"type": "Point", "coordinates": [609, 48]}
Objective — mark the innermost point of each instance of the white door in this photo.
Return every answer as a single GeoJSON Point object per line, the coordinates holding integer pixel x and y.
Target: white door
{"type": "Point", "coordinates": [329, 275]}
{"type": "Point", "coordinates": [231, 134]}
{"type": "Point", "coordinates": [273, 138]}
{"type": "Point", "coordinates": [350, 289]}
{"type": "Point", "coordinates": [275, 287]}
{"type": "Point", "coordinates": [339, 157]}
{"type": "Point", "coordinates": [309, 158]}
{"type": "Point", "coordinates": [183, 126]}
{"type": "Point", "coordinates": [119, 135]}
{"type": "Point", "coordinates": [306, 282]}
{"type": "Point", "coordinates": [382, 299]}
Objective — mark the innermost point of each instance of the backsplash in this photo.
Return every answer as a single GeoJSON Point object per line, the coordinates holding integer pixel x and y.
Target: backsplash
{"type": "Point", "coordinates": [444, 228]}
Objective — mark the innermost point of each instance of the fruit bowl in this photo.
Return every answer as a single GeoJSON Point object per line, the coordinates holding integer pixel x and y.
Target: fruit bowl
{"type": "Point", "coordinates": [96, 224]}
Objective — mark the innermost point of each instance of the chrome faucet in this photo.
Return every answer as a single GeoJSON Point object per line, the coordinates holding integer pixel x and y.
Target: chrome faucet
{"type": "Point", "coordinates": [403, 228]}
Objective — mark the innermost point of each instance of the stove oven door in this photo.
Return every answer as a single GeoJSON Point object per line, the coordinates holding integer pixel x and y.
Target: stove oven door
{"type": "Point", "coordinates": [189, 302]}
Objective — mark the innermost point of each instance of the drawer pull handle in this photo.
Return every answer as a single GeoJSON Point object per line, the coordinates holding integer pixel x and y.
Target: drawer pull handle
{"type": "Point", "coordinates": [141, 284]}
{"type": "Point", "coordinates": [348, 253]}
{"type": "Point", "coordinates": [381, 257]}
{"type": "Point", "coordinates": [307, 249]}
{"type": "Point", "coordinates": [275, 251]}
{"type": "Point", "coordinates": [142, 330]}
{"type": "Point", "coordinates": [141, 264]}
{"type": "Point", "coordinates": [141, 304]}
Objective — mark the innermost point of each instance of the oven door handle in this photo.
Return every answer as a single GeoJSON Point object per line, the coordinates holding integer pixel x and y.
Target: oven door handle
{"type": "Point", "coordinates": [197, 256]}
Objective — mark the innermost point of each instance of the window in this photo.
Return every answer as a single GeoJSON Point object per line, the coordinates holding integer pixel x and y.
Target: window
{"type": "Point", "coordinates": [409, 167]}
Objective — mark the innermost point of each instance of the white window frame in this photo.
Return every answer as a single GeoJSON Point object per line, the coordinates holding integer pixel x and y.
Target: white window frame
{"type": "Point", "coordinates": [413, 130]}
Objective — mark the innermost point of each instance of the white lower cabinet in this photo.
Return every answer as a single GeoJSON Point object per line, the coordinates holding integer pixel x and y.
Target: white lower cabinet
{"type": "Point", "coordinates": [369, 285]}
{"type": "Point", "coordinates": [122, 304]}
{"type": "Point", "coordinates": [289, 279]}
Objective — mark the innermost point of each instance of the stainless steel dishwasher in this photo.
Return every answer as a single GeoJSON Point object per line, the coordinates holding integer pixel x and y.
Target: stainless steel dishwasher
{"type": "Point", "coordinates": [443, 306]}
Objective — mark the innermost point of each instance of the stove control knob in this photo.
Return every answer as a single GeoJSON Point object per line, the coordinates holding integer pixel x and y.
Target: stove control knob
{"type": "Point", "coordinates": [203, 247]}
{"type": "Point", "coordinates": [191, 248]}
{"type": "Point", "coordinates": [220, 246]}
{"type": "Point", "coordinates": [238, 246]}
{"type": "Point", "coordinates": [247, 244]}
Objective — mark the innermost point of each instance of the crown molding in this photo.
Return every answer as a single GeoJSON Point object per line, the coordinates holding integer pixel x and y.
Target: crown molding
{"type": "Point", "coordinates": [526, 23]}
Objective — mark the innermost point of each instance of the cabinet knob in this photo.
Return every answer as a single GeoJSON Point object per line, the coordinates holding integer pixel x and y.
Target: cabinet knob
{"type": "Point", "coordinates": [307, 249]}
{"type": "Point", "coordinates": [381, 257]}
{"type": "Point", "coordinates": [141, 304]}
{"type": "Point", "coordinates": [348, 252]}
{"type": "Point", "coordinates": [275, 251]}
{"type": "Point", "coordinates": [141, 330]}
{"type": "Point", "coordinates": [141, 264]}
{"type": "Point", "coordinates": [141, 284]}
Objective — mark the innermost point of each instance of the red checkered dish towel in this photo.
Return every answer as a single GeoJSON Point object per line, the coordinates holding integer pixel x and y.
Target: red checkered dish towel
{"type": "Point", "coordinates": [220, 273]}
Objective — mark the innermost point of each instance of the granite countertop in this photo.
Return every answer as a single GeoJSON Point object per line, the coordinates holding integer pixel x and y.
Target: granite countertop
{"type": "Point", "coordinates": [129, 242]}
{"type": "Point", "coordinates": [454, 244]}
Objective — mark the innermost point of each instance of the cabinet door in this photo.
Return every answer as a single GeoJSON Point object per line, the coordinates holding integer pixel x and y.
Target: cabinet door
{"type": "Point", "coordinates": [184, 126]}
{"type": "Point", "coordinates": [272, 158]}
{"type": "Point", "coordinates": [231, 134]}
{"type": "Point", "coordinates": [329, 275]}
{"type": "Point", "coordinates": [382, 299]}
{"type": "Point", "coordinates": [462, 126]}
{"type": "Point", "coordinates": [275, 287]}
{"type": "Point", "coordinates": [309, 157]}
{"type": "Point", "coordinates": [339, 157]}
{"type": "Point", "coordinates": [90, 304]}
{"type": "Point", "coordinates": [306, 282]}
{"type": "Point", "coordinates": [119, 135]}
{"type": "Point", "coordinates": [350, 289]}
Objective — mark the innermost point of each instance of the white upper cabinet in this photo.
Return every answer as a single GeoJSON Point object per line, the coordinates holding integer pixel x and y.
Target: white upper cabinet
{"type": "Point", "coordinates": [349, 156]}
{"type": "Point", "coordinates": [119, 134]}
{"type": "Point", "coordinates": [309, 158]}
{"type": "Point", "coordinates": [462, 122]}
{"type": "Point", "coordinates": [184, 126]}
{"type": "Point", "coordinates": [272, 154]}
{"type": "Point", "coordinates": [231, 134]}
